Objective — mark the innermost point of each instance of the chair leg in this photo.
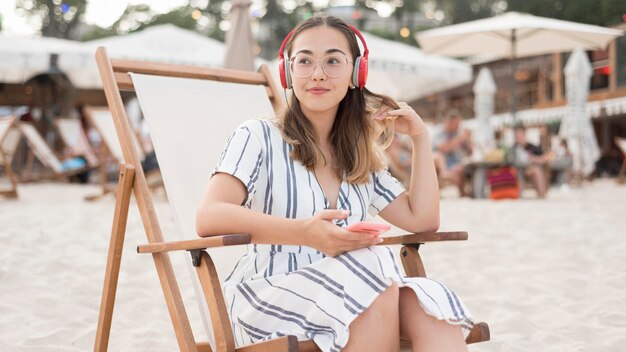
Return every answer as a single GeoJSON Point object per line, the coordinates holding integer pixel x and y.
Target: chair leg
{"type": "Point", "coordinates": [223, 333]}
{"type": "Point", "coordinates": [621, 178]}
{"type": "Point", "coordinates": [12, 193]}
{"type": "Point", "coordinates": [124, 191]}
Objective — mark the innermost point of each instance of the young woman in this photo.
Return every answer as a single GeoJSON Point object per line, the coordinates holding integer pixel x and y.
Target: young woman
{"type": "Point", "coordinates": [294, 185]}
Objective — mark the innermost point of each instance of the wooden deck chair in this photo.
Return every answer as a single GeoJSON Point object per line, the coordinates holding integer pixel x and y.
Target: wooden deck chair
{"type": "Point", "coordinates": [73, 136]}
{"type": "Point", "coordinates": [188, 130]}
{"type": "Point", "coordinates": [46, 155]}
{"type": "Point", "coordinates": [102, 121]}
{"type": "Point", "coordinates": [9, 138]}
{"type": "Point", "coordinates": [621, 144]}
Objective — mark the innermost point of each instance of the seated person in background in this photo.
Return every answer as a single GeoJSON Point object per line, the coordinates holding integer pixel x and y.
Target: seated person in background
{"type": "Point", "coordinates": [399, 154]}
{"type": "Point", "coordinates": [75, 160]}
{"type": "Point", "coordinates": [451, 145]}
{"type": "Point", "coordinates": [562, 162]}
{"type": "Point", "coordinates": [532, 160]}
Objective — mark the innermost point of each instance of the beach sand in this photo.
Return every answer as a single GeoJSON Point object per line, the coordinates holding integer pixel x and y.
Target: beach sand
{"type": "Point", "coordinates": [546, 275]}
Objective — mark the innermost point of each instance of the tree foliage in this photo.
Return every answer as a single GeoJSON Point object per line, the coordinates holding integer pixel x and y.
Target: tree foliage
{"type": "Point", "coordinates": [56, 18]}
{"type": "Point", "coordinates": [597, 12]}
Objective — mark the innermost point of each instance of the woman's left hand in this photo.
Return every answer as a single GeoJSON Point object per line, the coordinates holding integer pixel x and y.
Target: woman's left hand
{"type": "Point", "coordinates": [405, 119]}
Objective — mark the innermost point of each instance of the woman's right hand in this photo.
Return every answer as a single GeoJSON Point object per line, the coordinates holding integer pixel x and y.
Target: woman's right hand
{"type": "Point", "coordinates": [321, 233]}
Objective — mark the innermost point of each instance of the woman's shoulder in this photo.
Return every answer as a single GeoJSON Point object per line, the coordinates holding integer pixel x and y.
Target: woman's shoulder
{"type": "Point", "coordinates": [260, 126]}
{"type": "Point", "coordinates": [265, 130]}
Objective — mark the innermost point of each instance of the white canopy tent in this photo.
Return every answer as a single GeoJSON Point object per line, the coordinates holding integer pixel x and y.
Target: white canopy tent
{"type": "Point", "coordinates": [22, 58]}
{"type": "Point", "coordinates": [164, 43]}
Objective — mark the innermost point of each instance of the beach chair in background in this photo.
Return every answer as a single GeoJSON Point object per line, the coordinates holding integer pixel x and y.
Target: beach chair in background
{"type": "Point", "coordinates": [191, 112]}
{"type": "Point", "coordinates": [74, 137]}
{"type": "Point", "coordinates": [621, 144]}
{"type": "Point", "coordinates": [59, 167]}
{"type": "Point", "coordinates": [102, 121]}
{"type": "Point", "coordinates": [9, 139]}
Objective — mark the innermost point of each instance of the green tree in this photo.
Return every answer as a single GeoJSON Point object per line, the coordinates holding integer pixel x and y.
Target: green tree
{"type": "Point", "coordinates": [598, 12]}
{"type": "Point", "coordinates": [134, 18]}
{"type": "Point", "coordinates": [54, 18]}
{"type": "Point", "coordinates": [458, 11]}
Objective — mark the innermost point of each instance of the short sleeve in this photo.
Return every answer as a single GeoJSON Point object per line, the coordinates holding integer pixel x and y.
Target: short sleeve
{"type": "Point", "coordinates": [242, 156]}
{"type": "Point", "coordinates": [385, 190]}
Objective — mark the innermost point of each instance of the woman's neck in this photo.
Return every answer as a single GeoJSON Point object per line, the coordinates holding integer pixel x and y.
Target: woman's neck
{"type": "Point", "coordinates": [323, 124]}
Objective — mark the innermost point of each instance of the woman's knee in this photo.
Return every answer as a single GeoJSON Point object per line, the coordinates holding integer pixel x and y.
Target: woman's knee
{"type": "Point", "coordinates": [388, 300]}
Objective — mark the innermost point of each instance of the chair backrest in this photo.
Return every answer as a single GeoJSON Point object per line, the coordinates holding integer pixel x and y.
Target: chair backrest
{"type": "Point", "coordinates": [39, 146]}
{"type": "Point", "coordinates": [189, 119]}
{"type": "Point", "coordinates": [102, 120]}
{"type": "Point", "coordinates": [73, 135]}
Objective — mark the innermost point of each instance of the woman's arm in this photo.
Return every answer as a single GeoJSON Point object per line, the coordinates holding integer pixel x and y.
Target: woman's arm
{"type": "Point", "coordinates": [220, 212]}
{"type": "Point", "coordinates": [417, 209]}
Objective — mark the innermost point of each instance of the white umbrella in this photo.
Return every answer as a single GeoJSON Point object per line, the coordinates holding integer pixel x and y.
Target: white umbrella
{"type": "Point", "coordinates": [576, 126]}
{"type": "Point", "coordinates": [484, 106]}
{"type": "Point", "coordinates": [513, 35]}
{"type": "Point", "coordinates": [404, 72]}
{"type": "Point", "coordinates": [239, 39]}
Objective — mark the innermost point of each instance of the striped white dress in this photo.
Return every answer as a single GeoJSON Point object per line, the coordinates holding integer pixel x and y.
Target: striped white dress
{"type": "Point", "coordinates": [278, 290]}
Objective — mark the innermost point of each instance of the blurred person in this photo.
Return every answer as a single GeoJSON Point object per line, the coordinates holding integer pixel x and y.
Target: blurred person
{"type": "Point", "coordinates": [451, 146]}
{"type": "Point", "coordinates": [532, 160]}
{"type": "Point", "coordinates": [562, 162]}
{"type": "Point", "coordinates": [399, 157]}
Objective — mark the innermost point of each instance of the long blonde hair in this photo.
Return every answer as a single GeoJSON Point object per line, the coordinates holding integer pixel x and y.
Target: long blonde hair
{"type": "Point", "coordinates": [357, 141]}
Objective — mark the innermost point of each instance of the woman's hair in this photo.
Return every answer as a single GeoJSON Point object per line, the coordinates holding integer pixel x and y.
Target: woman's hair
{"type": "Point", "coordinates": [357, 141]}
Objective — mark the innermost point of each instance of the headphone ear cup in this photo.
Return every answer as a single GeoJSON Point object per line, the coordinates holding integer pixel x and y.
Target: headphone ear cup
{"type": "Point", "coordinates": [287, 74]}
{"type": "Point", "coordinates": [281, 72]}
{"type": "Point", "coordinates": [355, 72]}
{"type": "Point", "coordinates": [362, 72]}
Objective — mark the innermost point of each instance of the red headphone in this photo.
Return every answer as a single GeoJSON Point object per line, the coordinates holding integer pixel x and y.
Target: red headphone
{"type": "Point", "coordinates": [359, 73]}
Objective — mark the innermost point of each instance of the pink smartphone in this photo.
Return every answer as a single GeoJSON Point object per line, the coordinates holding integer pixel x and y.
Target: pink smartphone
{"type": "Point", "coordinates": [369, 227]}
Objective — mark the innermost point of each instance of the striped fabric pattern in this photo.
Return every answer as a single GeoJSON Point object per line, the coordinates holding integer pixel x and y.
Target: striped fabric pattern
{"type": "Point", "coordinates": [278, 290]}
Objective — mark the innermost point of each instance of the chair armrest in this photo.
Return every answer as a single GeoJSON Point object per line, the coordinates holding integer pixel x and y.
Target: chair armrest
{"type": "Point", "coordinates": [422, 237]}
{"type": "Point", "coordinates": [200, 243]}
{"type": "Point", "coordinates": [239, 239]}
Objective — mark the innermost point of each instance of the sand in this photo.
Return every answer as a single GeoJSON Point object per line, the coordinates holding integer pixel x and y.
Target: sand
{"type": "Point", "coordinates": [547, 275]}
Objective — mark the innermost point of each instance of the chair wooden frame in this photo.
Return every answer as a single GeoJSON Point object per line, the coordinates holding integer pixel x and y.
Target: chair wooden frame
{"type": "Point", "coordinates": [6, 154]}
{"type": "Point", "coordinates": [621, 144]}
{"type": "Point", "coordinates": [115, 77]}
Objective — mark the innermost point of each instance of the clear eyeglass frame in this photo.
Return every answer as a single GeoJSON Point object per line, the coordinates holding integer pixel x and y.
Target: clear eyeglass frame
{"type": "Point", "coordinates": [333, 65]}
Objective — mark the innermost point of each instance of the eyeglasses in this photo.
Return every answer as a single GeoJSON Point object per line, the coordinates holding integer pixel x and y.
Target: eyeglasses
{"type": "Point", "coordinates": [334, 65]}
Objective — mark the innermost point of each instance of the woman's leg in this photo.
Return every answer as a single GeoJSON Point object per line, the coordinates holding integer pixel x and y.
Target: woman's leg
{"type": "Point", "coordinates": [425, 331]}
{"type": "Point", "coordinates": [377, 328]}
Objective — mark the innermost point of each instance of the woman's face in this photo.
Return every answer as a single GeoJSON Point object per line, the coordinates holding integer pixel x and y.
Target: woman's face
{"type": "Point", "coordinates": [321, 69]}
